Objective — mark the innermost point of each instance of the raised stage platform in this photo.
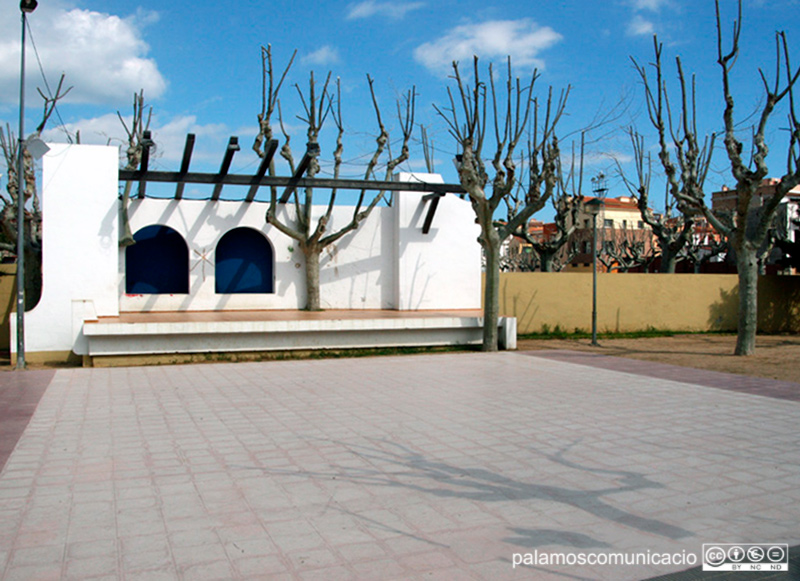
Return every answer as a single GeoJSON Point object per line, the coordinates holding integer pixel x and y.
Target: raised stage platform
{"type": "Point", "coordinates": [252, 331]}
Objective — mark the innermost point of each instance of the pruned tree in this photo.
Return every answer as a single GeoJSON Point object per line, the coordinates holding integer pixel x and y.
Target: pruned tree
{"type": "Point", "coordinates": [512, 114]}
{"type": "Point", "coordinates": [566, 255]}
{"type": "Point", "coordinates": [787, 236]}
{"type": "Point", "coordinates": [747, 229]}
{"type": "Point", "coordinates": [33, 214]}
{"type": "Point", "coordinates": [703, 248]}
{"type": "Point", "coordinates": [318, 105]}
{"type": "Point", "coordinates": [133, 157]}
{"type": "Point", "coordinates": [427, 150]}
{"type": "Point", "coordinates": [521, 262]}
{"type": "Point", "coordinates": [625, 248]}
{"type": "Point", "coordinates": [685, 175]}
{"type": "Point", "coordinates": [556, 252]}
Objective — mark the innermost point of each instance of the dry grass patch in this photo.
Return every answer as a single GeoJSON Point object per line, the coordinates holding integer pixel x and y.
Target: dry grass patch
{"type": "Point", "coordinates": [776, 357]}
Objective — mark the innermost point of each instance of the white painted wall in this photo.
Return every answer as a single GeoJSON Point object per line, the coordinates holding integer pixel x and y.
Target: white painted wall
{"type": "Point", "coordinates": [440, 269]}
{"type": "Point", "coordinates": [353, 271]}
{"type": "Point", "coordinates": [80, 246]}
{"type": "Point", "coordinates": [386, 264]}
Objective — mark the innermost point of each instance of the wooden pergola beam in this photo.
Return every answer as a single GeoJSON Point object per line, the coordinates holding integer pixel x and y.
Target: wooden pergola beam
{"type": "Point", "coordinates": [269, 153]}
{"type": "Point", "coordinates": [219, 179]}
{"type": "Point", "coordinates": [434, 203]}
{"type": "Point", "coordinates": [299, 172]}
{"type": "Point", "coordinates": [282, 182]}
{"type": "Point", "coordinates": [187, 158]}
{"type": "Point", "coordinates": [261, 179]}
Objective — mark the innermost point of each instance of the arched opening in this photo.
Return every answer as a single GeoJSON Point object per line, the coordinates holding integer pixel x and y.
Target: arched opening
{"type": "Point", "coordinates": [244, 263]}
{"type": "Point", "coordinates": [158, 263]}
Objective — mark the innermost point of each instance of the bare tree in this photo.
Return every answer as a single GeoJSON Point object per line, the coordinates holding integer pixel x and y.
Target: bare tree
{"type": "Point", "coordinates": [428, 150]}
{"type": "Point", "coordinates": [33, 214]}
{"type": "Point", "coordinates": [556, 252]}
{"type": "Point", "coordinates": [519, 262]}
{"type": "Point", "coordinates": [747, 230]}
{"type": "Point", "coordinates": [566, 255]}
{"type": "Point", "coordinates": [625, 248]}
{"type": "Point", "coordinates": [318, 105]}
{"type": "Point", "coordinates": [133, 156]}
{"type": "Point", "coordinates": [703, 248]}
{"type": "Point", "coordinates": [518, 114]}
{"type": "Point", "coordinates": [672, 229]}
{"type": "Point", "coordinates": [787, 236]}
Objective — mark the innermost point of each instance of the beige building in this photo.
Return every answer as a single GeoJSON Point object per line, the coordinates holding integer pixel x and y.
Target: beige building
{"type": "Point", "coordinates": [619, 224]}
{"type": "Point", "coordinates": [618, 213]}
{"type": "Point", "coordinates": [786, 223]}
{"type": "Point", "coordinates": [725, 200]}
{"type": "Point", "coordinates": [622, 238]}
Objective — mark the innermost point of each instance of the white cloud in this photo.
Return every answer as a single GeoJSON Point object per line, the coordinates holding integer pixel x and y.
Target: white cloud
{"type": "Point", "coordinates": [639, 26]}
{"type": "Point", "coordinates": [523, 40]}
{"type": "Point", "coordinates": [103, 56]}
{"type": "Point", "coordinates": [326, 55]}
{"type": "Point", "coordinates": [169, 136]}
{"type": "Point", "coordinates": [144, 17]}
{"type": "Point", "coordinates": [393, 10]}
{"type": "Point", "coordinates": [104, 130]}
{"type": "Point", "coordinates": [652, 5]}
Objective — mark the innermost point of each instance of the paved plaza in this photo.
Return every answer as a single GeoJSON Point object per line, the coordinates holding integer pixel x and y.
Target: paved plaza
{"type": "Point", "coordinates": [446, 466]}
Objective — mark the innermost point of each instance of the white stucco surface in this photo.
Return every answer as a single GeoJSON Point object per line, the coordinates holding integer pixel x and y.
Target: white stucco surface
{"type": "Point", "coordinates": [440, 269]}
{"type": "Point", "coordinates": [386, 264]}
{"type": "Point", "coordinates": [80, 246]}
{"type": "Point", "coordinates": [353, 272]}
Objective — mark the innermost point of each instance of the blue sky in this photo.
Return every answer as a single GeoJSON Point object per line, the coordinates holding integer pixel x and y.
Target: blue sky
{"type": "Point", "coordinates": [199, 64]}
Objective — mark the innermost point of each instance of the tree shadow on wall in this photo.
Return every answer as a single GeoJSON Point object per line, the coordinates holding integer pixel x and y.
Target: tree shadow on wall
{"type": "Point", "coordinates": [778, 304]}
{"type": "Point", "coordinates": [511, 306]}
{"type": "Point", "coordinates": [778, 307]}
{"type": "Point", "coordinates": [723, 313]}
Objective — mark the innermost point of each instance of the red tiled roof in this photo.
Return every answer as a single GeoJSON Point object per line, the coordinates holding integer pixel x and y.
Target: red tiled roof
{"type": "Point", "coordinates": [620, 203]}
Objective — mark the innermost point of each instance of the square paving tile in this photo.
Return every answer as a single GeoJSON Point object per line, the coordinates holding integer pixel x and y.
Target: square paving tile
{"type": "Point", "coordinates": [437, 466]}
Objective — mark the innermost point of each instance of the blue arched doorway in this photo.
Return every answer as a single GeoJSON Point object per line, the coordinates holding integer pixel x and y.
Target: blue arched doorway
{"type": "Point", "coordinates": [244, 263]}
{"type": "Point", "coordinates": [158, 263]}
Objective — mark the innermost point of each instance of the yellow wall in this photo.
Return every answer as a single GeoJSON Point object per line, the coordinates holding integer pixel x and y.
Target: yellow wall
{"type": "Point", "coordinates": [8, 296]}
{"type": "Point", "coordinates": [635, 302]}
{"type": "Point", "coordinates": [779, 304]}
{"type": "Point", "coordinates": [626, 302]}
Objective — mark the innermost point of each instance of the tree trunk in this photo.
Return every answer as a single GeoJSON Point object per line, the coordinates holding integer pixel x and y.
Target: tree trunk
{"type": "Point", "coordinates": [126, 238]}
{"type": "Point", "coordinates": [491, 293]}
{"type": "Point", "coordinates": [747, 265]}
{"type": "Point", "coordinates": [33, 277]}
{"type": "Point", "coordinates": [546, 260]}
{"type": "Point", "coordinates": [312, 255]}
{"type": "Point", "coordinates": [669, 260]}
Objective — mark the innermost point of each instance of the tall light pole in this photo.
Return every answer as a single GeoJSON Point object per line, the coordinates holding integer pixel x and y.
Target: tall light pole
{"type": "Point", "coordinates": [25, 7]}
{"type": "Point", "coordinates": [593, 207]}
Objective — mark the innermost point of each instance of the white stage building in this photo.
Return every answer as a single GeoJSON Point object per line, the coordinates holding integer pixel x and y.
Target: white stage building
{"type": "Point", "coordinates": [213, 276]}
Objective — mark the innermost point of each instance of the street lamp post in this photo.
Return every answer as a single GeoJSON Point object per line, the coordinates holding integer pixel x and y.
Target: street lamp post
{"type": "Point", "coordinates": [25, 7]}
{"type": "Point", "coordinates": [593, 207]}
